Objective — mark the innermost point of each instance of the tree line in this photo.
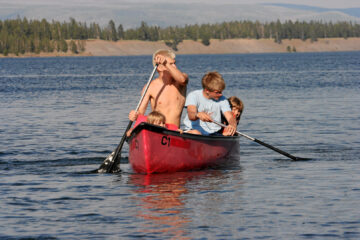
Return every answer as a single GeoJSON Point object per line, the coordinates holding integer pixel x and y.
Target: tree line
{"type": "Point", "coordinates": [19, 36]}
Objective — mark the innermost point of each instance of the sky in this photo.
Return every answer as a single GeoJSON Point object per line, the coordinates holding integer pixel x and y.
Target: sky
{"type": "Point", "coordinates": [316, 3]}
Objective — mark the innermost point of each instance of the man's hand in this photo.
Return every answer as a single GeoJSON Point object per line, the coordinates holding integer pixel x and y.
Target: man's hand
{"type": "Point", "coordinates": [133, 115]}
{"type": "Point", "coordinates": [168, 64]}
{"type": "Point", "coordinates": [204, 116]}
{"type": "Point", "coordinates": [229, 131]}
{"type": "Point", "coordinates": [160, 60]}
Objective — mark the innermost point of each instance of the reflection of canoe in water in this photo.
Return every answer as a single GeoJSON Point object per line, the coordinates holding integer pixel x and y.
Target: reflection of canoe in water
{"type": "Point", "coordinates": [154, 149]}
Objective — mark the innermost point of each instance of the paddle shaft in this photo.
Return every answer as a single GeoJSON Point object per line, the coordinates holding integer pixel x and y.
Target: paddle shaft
{"type": "Point", "coordinates": [262, 143]}
{"type": "Point", "coordinates": [122, 141]}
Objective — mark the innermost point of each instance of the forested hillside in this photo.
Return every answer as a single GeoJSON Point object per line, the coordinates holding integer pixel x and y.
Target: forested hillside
{"type": "Point", "coordinates": [20, 36]}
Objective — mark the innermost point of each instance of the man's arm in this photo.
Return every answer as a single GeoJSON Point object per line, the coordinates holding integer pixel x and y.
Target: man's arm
{"type": "Point", "coordinates": [145, 101]}
{"type": "Point", "coordinates": [195, 115]}
{"type": "Point", "coordinates": [143, 106]}
{"type": "Point", "coordinates": [180, 77]}
{"type": "Point", "coordinates": [231, 128]}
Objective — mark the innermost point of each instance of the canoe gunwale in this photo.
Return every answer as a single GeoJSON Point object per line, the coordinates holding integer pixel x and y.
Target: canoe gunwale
{"type": "Point", "coordinates": [165, 131]}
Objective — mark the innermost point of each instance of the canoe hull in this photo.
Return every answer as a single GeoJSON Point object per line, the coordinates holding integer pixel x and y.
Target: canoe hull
{"type": "Point", "coordinates": [153, 149]}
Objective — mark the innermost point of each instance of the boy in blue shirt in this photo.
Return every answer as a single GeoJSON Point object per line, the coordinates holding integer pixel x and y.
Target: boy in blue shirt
{"type": "Point", "coordinates": [206, 105]}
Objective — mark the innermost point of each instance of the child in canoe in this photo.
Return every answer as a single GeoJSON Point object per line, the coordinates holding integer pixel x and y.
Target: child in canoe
{"type": "Point", "coordinates": [155, 118]}
{"type": "Point", "coordinates": [206, 105]}
{"type": "Point", "coordinates": [237, 107]}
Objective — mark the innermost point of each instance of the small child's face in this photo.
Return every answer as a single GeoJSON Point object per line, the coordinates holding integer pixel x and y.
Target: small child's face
{"type": "Point", "coordinates": [236, 112]}
{"type": "Point", "coordinates": [159, 123]}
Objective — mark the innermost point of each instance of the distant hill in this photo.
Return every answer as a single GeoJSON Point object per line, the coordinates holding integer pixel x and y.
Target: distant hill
{"type": "Point", "coordinates": [155, 12]}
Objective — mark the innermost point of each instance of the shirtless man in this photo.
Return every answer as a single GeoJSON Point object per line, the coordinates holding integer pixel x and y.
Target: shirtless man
{"type": "Point", "coordinates": [167, 93]}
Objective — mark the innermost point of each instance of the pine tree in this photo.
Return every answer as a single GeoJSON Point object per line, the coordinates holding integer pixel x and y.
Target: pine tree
{"type": "Point", "coordinates": [112, 30]}
{"type": "Point", "coordinates": [120, 32]}
{"type": "Point", "coordinates": [63, 45]}
{"type": "Point", "coordinates": [73, 47]}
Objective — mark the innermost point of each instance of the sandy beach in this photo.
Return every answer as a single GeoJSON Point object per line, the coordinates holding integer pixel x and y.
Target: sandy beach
{"type": "Point", "coordinates": [229, 46]}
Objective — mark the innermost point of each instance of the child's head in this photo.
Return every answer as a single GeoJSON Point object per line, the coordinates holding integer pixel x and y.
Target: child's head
{"type": "Point", "coordinates": [156, 118]}
{"type": "Point", "coordinates": [213, 83]}
{"type": "Point", "coordinates": [163, 52]}
{"type": "Point", "coordinates": [237, 107]}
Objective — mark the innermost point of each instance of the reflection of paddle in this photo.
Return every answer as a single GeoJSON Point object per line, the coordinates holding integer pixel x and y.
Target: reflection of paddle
{"type": "Point", "coordinates": [111, 163]}
{"type": "Point", "coordinates": [265, 144]}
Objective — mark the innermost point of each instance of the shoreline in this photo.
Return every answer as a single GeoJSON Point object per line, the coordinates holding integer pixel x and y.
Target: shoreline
{"type": "Point", "coordinates": [97, 47]}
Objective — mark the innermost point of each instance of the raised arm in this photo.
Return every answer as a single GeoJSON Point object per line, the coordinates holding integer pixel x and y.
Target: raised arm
{"type": "Point", "coordinates": [168, 63]}
{"type": "Point", "coordinates": [180, 77]}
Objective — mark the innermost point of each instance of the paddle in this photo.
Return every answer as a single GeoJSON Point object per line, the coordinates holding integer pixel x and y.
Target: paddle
{"type": "Point", "coordinates": [265, 144]}
{"type": "Point", "coordinates": [112, 161]}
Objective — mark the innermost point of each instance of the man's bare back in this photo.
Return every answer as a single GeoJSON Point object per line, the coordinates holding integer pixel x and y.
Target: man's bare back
{"type": "Point", "coordinates": [167, 93]}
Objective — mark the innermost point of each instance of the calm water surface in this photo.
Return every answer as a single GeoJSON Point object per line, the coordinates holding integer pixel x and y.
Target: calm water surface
{"type": "Point", "coordinates": [60, 117]}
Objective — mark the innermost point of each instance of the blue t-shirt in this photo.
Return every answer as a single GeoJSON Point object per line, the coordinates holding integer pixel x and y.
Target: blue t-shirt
{"type": "Point", "coordinates": [215, 107]}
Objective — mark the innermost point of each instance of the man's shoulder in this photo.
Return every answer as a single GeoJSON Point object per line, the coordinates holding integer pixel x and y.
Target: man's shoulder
{"type": "Point", "coordinates": [155, 83]}
{"type": "Point", "coordinates": [179, 85]}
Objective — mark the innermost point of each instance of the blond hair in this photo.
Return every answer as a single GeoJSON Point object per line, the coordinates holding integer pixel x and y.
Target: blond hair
{"type": "Point", "coordinates": [163, 52]}
{"type": "Point", "coordinates": [154, 117]}
{"type": "Point", "coordinates": [213, 81]}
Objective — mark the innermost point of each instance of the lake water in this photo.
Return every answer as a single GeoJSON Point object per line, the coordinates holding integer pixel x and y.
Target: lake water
{"type": "Point", "coordinates": [60, 117]}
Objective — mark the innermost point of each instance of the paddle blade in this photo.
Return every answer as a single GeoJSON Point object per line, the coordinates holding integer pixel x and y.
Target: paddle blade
{"type": "Point", "coordinates": [109, 165]}
{"type": "Point", "coordinates": [281, 151]}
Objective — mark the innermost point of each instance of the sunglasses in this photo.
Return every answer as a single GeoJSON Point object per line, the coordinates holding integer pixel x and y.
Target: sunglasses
{"type": "Point", "coordinates": [216, 92]}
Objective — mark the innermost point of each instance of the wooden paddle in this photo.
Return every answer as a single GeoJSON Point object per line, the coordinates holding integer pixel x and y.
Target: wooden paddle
{"type": "Point", "coordinates": [112, 161]}
{"type": "Point", "coordinates": [265, 144]}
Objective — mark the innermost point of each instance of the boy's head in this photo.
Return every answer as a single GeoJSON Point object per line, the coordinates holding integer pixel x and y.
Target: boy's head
{"type": "Point", "coordinates": [156, 118]}
{"type": "Point", "coordinates": [163, 52]}
{"type": "Point", "coordinates": [237, 106]}
{"type": "Point", "coordinates": [213, 84]}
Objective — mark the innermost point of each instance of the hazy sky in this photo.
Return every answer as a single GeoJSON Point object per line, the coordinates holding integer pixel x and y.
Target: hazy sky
{"type": "Point", "coordinates": [317, 3]}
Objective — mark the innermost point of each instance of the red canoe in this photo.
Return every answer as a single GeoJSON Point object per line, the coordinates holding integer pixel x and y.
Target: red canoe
{"type": "Point", "coordinates": [154, 149]}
